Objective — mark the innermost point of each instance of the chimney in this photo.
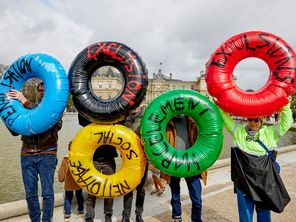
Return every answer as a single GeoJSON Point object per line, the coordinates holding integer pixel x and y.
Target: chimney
{"type": "Point", "coordinates": [154, 75]}
{"type": "Point", "coordinates": [171, 75]}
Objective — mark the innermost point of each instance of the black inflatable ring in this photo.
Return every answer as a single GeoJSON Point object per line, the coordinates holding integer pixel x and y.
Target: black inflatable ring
{"type": "Point", "coordinates": [113, 54]}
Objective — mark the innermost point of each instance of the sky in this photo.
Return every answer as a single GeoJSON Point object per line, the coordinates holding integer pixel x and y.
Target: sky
{"type": "Point", "coordinates": [181, 35]}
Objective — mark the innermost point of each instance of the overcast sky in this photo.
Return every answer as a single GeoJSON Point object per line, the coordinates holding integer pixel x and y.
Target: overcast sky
{"type": "Point", "coordinates": [180, 33]}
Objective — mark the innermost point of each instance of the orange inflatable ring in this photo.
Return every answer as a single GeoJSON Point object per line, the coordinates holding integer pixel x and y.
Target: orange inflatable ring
{"type": "Point", "coordinates": [275, 52]}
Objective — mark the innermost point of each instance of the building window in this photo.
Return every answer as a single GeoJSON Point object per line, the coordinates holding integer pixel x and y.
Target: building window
{"type": "Point", "coordinates": [110, 85]}
{"type": "Point", "coordinates": [109, 96]}
{"type": "Point", "coordinates": [100, 85]}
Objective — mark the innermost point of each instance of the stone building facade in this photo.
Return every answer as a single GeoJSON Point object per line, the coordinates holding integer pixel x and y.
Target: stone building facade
{"type": "Point", "coordinates": [107, 83]}
{"type": "Point", "coordinates": [161, 83]}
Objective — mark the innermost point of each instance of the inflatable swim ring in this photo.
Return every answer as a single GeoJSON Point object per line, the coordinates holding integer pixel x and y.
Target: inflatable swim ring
{"type": "Point", "coordinates": [134, 73]}
{"type": "Point", "coordinates": [208, 145]}
{"type": "Point", "coordinates": [92, 181]}
{"type": "Point", "coordinates": [280, 59]}
{"type": "Point", "coordinates": [34, 121]}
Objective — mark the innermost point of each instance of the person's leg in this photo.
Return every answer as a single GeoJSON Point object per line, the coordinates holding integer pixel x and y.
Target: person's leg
{"type": "Point", "coordinates": [176, 199]}
{"type": "Point", "coordinates": [67, 203]}
{"type": "Point", "coordinates": [156, 188]}
{"type": "Point", "coordinates": [46, 167]}
{"type": "Point", "coordinates": [90, 204]}
{"type": "Point", "coordinates": [141, 193]}
{"type": "Point", "coordinates": [30, 180]}
{"type": "Point", "coordinates": [141, 196]}
{"type": "Point", "coordinates": [108, 168]}
{"type": "Point", "coordinates": [245, 207]}
{"type": "Point", "coordinates": [194, 188]}
{"type": "Point", "coordinates": [80, 201]}
{"type": "Point", "coordinates": [263, 215]}
{"type": "Point", "coordinates": [127, 206]}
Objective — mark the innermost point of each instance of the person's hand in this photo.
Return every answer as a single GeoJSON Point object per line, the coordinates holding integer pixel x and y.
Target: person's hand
{"type": "Point", "coordinates": [142, 142]}
{"type": "Point", "coordinates": [14, 94]}
{"type": "Point", "coordinates": [145, 158]}
{"type": "Point", "coordinates": [290, 99]}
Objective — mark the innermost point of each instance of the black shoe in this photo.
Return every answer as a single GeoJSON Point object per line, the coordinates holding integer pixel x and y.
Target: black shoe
{"type": "Point", "coordinates": [139, 218]}
{"type": "Point", "coordinates": [125, 219]}
{"type": "Point", "coordinates": [108, 218]}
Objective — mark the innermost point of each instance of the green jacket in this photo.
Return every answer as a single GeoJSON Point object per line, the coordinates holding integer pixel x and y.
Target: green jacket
{"type": "Point", "coordinates": [269, 135]}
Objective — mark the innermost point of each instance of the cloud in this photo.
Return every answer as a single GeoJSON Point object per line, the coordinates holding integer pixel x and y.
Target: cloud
{"type": "Point", "coordinates": [181, 34]}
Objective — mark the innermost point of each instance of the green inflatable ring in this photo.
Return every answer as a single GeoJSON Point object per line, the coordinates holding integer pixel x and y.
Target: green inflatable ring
{"type": "Point", "coordinates": [208, 145]}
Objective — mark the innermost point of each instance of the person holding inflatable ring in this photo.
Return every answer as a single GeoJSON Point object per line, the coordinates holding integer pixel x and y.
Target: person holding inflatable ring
{"type": "Point", "coordinates": [248, 150]}
{"type": "Point", "coordinates": [38, 158]}
{"type": "Point", "coordinates": [133, 122]}
{"type": "Point", "coordinates": [104, 162]}
{"type": "Point", "coordinates": [181, 132]}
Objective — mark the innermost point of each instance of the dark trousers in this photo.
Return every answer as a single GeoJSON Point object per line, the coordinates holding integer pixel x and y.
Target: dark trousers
{"type": "Point", "coordinates": [128, 198]}
{"type": "Point", "coordinates": [108, 168]}
{"type": "Point", "coordinates": [68, 201]}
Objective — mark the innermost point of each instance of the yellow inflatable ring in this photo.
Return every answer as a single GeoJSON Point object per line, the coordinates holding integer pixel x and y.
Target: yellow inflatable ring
{"type": "Point", "coordinates": [92, 181]}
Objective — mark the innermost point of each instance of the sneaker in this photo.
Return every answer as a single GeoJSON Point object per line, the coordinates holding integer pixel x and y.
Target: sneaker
{"type": "Point", "coordinates": [125, 219]}
{"type": "Point", "coordinates": [67, 216]}
{"type": "Point", "coordinates": [108, 218]}
{"type": "Point", "coordinates": [81, 213]}
{"type": "Point", "coordinates": [177, 220]}
{"type": "Point", "coordinates": [155, 191]}
{"type": "Point", "coordinates": [67, 220]}
{"type": "Point", "coordinates": [139, 218]}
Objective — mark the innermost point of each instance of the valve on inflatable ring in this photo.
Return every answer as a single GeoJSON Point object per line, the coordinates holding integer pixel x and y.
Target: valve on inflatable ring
{"type": "Point", "coordinates": [280, 58]}
{"type": "Point", "coordinates": [208, 145]}
{"type": "Point", "coordinates": [117, 55]}
{"type": "Point", "coordinates": [91, 180]}
{"type": "Point", "coordinates": [25, 121]}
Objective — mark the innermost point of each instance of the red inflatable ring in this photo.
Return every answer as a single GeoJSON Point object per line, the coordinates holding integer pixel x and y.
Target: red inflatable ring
{"type": "Point", "coordinates": [278, 55]}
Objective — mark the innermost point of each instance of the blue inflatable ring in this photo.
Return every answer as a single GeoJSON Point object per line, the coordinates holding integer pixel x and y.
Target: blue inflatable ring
{"type": "Point", "coordinates": [34, 121]}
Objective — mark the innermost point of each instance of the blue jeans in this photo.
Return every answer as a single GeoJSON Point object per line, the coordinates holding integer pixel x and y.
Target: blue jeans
{"type": "Point", "coordinates": [246, 209]}
{"type": "Point", "coordinates": [194, 188]}
{"type": "Point", "coordinates": [44, 166]}
{"type": "Point", "coordinates": [68, 201]}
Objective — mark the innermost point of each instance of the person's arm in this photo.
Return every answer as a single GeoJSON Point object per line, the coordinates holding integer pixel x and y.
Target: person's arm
{"type": "Point", "coordinates": [285, 121]}
{"type": "Point", "coordinates": [62, 171]}
{"type": "Point", "coordinates": [128, 121]}
{"type": "Point", "coordinates": [17, 95]}
{"type": "Point", "coordinates": [228, 121]}
{"type": "Point", "coordinates": [59, 124]}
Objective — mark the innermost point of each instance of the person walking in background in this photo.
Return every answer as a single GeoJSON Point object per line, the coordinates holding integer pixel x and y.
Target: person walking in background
{"type": "Point", "coordinates": [181, 133]}
{"type": "Point", "coordinates": [70, 186]}
{"type": "Point", "coordinates": [38, 160]}
{"type": "Point", "coordinates": [133, 122]}
{"type": "Point", "coordinates": [104, 162]}
{"type": "Point", "coordinates": [294, 115]}
{"type": "Point", "coordinates": [247, 144]}
{"type": "Point", "coordinates": [276, 117]}
{"type": "Point", "coordinates": [159, 188]}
